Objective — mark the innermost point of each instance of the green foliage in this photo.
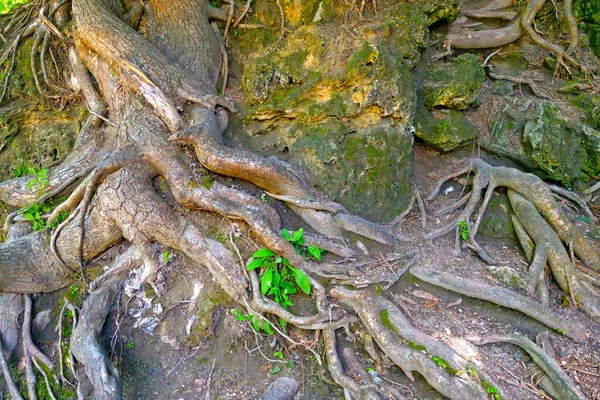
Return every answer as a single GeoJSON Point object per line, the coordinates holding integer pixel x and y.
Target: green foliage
{"type": "Point", "coordinates": [166, 256]}
{"type": "Point", "coordinates": [40, 180]}
{"type": "Point", "coordinates": [464, 230]}
{"type": "Point", "coordinates": [385, 320]}
{"type": "Point", "coordinates": [296, 239]}
{"type": "Point", "coordinates": [23, 169]}
{"type": "Point", "coordinates": [562, 331]}
{"type": "Point", "coordinates": [415, 346]}
{"type": "Point", "coordinates": [275, 369]}
{"type": "Point", "coordinates": [266, 326]}
{"type": "Point", "coordinates": [279, 278]}
{"type": "Point", "coordinates": [491, 389]}
{"type": "Point", "coordinates": [34, 213]}
{"type": "Point", "coordinates": [444, 364]}
{"type": "Point", "coordinates": [131, 345]}
{"type": "Point", "coordinates": [7, 6]}
{"type": "Point", "coordinates": [278, 354]}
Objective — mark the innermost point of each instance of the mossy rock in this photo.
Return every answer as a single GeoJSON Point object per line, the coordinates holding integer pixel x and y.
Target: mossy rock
{"type": "Point", "coordinates": [444, 130]}
{"type": "Point", "coordinates": [507, 276]}
{"type": "Point", "coordinates": [537, 135]}
{"type": "Point", "coordinates": [589, 104]}
{"type": "Point", "coordinates": [454, 84]}
{"type": "Point", "coordinates": [345, 120]}
{"type": "Point", "coordinates": [496, 223]}
{"type": "Point", "coordinates": [441, 10]}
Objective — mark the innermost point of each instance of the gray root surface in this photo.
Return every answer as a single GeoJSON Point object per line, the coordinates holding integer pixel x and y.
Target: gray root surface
{"type": "Point", "coordinates": [563, 385]}
{"type": "Point", "coordinates": [504, 297]}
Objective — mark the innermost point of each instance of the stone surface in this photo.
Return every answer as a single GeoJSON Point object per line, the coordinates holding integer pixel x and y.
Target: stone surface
{"type": "Point", "coordinates": [539, 136]}
{"type": "Point", "coordinates": [507, 276]}
{"type": "Point", "coordinates": [454, 84]}
{"type": "Point", "coordinates": [281, 388]}
{"type": "Point", "coordinates": [444, 129]}
{"type": "Point", "coordinates": [340, 109]}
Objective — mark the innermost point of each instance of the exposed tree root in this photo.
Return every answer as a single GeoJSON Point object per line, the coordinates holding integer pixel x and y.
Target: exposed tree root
{"type": "Point", "coordinates": [522, 23]}
{"type": "Point", "coordinates": [544, 221]}
{"type": "Point", "coordinates": [85, 342]}
{"type": "Point", "coordinates": [562, 383]}
{"type": "Point", "coordinates": [504, 297]}
{"type": "Point", "coordinates": [386, 325]}
{"type": "Point", "coordinates": [10, 383]}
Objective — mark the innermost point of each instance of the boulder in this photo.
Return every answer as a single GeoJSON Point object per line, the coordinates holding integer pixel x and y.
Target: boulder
{"type": "Point", "coordinates": [454, 84]}
{"type": "Point", "coordinates": [537, 135]}
{"type": "Point", "coordinates": [445, 129]}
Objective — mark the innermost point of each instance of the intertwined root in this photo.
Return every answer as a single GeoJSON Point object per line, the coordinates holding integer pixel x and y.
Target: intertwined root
{"type": "Point", "coordinates": [545, 225]}
{"type": "Point", "coordinates": [522, 22]}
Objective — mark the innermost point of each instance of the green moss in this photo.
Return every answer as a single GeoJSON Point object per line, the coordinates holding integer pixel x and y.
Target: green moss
{"type": "Point", "coordinates": [415, 346]}
{"type": "Point", "coordinates": [207, 182]}
{"type": "Point", "coordinates": [385, 320]}
{"type": "Point", "coordinates": [454, 84]}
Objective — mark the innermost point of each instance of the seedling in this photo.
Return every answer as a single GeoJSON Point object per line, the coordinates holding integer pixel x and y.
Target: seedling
{"type": "Point", "coordinates": [131, 345]}
{"type": "Point", "coordinates": [464, 230]}
{"type": "Point", "coordinates": [40, 180]}
{"type": "Point", "coordinates": [278, 354]}
{"type": "Point", "coordinates": [166, 256]}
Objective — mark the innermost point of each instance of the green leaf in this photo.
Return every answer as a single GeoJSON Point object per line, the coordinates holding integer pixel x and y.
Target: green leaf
{"type": "Point", "coordinates": [266, 282]}
{"type": "Point", "coordinates": [286, 234]}
{"type": "Point", "coordinates": [275, 369]}
{"type": "Point", "coordinates": [296, 236]}
{"type": "Point", "coordinates": [263, 253]}
{"type": "Point", "coordinates": [256, 325]}
{"type": "Point", "coordinates": [267, 328]}
{"type": "Point", "coordinates": [255, 263]}
{"type": "Point", "coordinates": [301, 280]}
{"type": "Point", "coordinates": [290, 364]}
{"type": "Point", "coordinates": [315, 252]}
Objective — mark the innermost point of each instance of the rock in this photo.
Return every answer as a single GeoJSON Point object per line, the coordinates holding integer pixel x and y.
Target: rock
{"type": "Point", "coordinates": [502, 88]}
{"type": "Point", "coordinates": [454, 84]}
{"type": "Point", "coordinates": [538, 135]}
{"type": "Point", "coordinates": [441, 10]}
{"type": "Point", "coordinates": [281, 389]}
{"type": "Point", "coordinates": [507, 276]}
{"type": "Point", "coordinates": [444, 129]}
{"type": "Point", "coordinates": [344, 119]}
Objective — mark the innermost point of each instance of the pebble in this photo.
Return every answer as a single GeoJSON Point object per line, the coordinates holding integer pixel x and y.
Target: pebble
{"type": "Point", "coordinates": [282, 388]}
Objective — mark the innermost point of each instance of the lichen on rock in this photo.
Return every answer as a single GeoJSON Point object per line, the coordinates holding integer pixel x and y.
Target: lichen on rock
{"type": "Point", "coordinates": [444, 129]}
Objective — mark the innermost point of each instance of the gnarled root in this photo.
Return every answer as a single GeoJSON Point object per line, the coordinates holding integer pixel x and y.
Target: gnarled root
{"type": "Point", "coordinates": [564, 386]}
{"type": "Point", "coordinates": [550, 248]}
{"type": "Point", "coordinates": [535, 191]}
{"type": "Point", "coordinates": [387, 325]}
{"type": "Point", "coordinates": [85, 342]}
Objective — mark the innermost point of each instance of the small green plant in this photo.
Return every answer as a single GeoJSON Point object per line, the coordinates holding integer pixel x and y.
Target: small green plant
{"type": "Point", "coordinates": [472, 371]}
{"type": "Point", "coordinates": [166, 256]}
{"type": "Point", "coordinates": [562, 331]}
{"type": "Point", "coordinates": [464, 230]}
{"type": "Point", "coordinates": [40, 180]}
{"type": "Point", "coordinates": [235, 32]}
{"type": "Point", "coordinates": [214, 3]}
{"type": "Point", "coordinates": [278, 354]}
{"type": "Point", "coordinates": [23, 169]}
{"type": "Point", "coordinates": [73, 290]}
{"type": "Point", "coordinates": [491, 390]}
{"type": "Point", "coordinates": [296, 239]}
{"type": "Point", "coordinates": [275, 369]}
{"type": "Point", "coordinates": [34, 213]}
{"type": "Point", "coordinates": [277, 278]}
{"type": "Point", "coordinates": [266, 326]}
{"type": "Point", "coordinates": [131, 345]}
{"type": "Point", "coordinates": [263, 198]}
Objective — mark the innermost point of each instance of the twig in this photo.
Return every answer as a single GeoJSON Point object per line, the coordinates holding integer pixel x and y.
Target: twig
{"type": "Point", "coordinates": [209, 382]}
{"type": "Point", "coordinates": [243, 14]}
{"type": "Point", "coordinates": [181, 360]}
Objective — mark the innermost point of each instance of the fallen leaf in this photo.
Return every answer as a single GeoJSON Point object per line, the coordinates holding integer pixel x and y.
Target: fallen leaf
{"type": "Point", "coordinates": [425, 296]}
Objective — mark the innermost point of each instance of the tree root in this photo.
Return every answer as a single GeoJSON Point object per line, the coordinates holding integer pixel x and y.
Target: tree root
{"type": "Point", "coordinates": [549, 247]}
{"type": "Point", "coordinates": [562, 383]}
{"type": "Point", "coordinates": [386, 323]}
{"type": "Point", "coordinates": [534, 190]}
{"type": "Point", "coordinates": [10, 383]}
{"type": "Point", "coordinates": [521, 25]}
{"type": "Point", "coordinates": [505, 298]}
{"type": "Point", "coordinates": [85, 342]}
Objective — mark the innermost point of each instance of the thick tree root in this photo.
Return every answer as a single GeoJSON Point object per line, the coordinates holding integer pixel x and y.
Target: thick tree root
{"type": "Point", "coordinates": [334, 364]}
{"type": "Point", "coordinates": [386, 325]}
{"type": "Point", "coordinates": [562, 383]}
{"type": "Point", "coordinates": [504, 297]}
{"type": "Point", "coordinates": [85, 342]}
{"type": "Point", "coordinates": [523, 24]}
{"type": "Point", "coordinates": [549, 247]}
